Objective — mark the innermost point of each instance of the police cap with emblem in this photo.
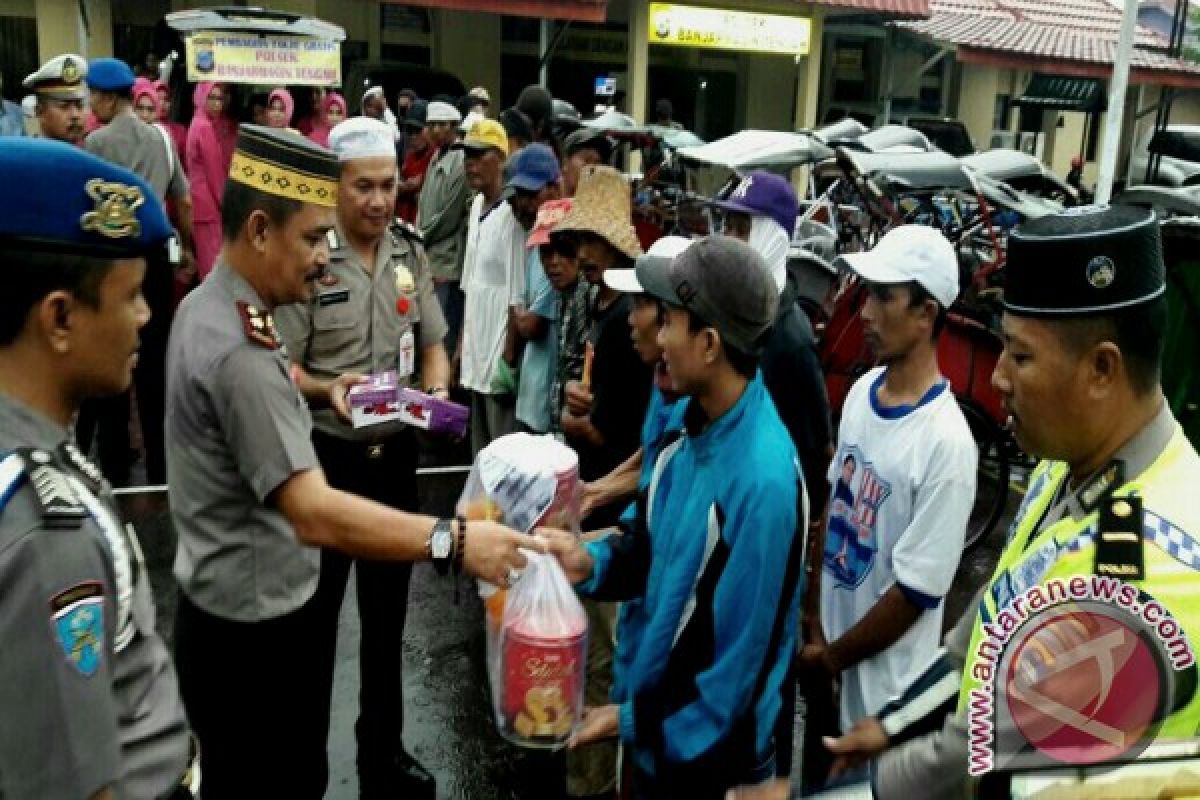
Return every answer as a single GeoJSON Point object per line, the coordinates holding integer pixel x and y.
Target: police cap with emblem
{"type": "Point", "coordinates": [1091, 260]}
{"type": "Point", "coordinates": [74, 202]}
{"type": "Point", "coordinates": [285, 164]}
{"type": "Point", "coordinates": [62, 78]}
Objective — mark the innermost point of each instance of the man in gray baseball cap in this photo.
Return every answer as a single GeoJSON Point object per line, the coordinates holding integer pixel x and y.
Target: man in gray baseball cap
{"type": "Point", "coordinates": [727, 502]}
{"type": "Point", "coordinates": [726, 286]}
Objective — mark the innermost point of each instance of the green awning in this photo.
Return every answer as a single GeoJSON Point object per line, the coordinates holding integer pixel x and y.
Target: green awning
{"type": "Point", "coordinates": [1064, 94]}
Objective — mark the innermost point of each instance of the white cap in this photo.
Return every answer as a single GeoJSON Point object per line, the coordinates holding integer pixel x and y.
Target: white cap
{"type": "Point", "coordinates": [911, 253]}
{"type": "Point", "coordinates": [664, 250]}
{"type": "Point", "coordinates": [437, 111]}
{"type": "Point", "coordinates": [362, 137]}
{"type": "Point", "coordinates": [470, 120]}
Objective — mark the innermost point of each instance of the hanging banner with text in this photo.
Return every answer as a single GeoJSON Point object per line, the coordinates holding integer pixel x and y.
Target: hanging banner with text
{"type": "Point", "coordinates": [232, 57]}
{"type": "Point", "coordinates": [689, 26]}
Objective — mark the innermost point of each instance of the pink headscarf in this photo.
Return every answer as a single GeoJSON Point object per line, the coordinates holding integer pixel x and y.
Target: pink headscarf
{"type": "Point", "coordinates": [210, 145]}
{"type": "Point", "coordinates": [321, 128]}
{"type": "Point", "coordinates": [144, 88]}
{"type": "Point", "coordinates": [177, 130]}
{"type": "Point", "coordinates": [289, 106]}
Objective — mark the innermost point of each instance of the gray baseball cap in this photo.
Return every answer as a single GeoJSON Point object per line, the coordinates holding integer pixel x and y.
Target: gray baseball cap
{"type": "Point", "coordinates": [721, 280]}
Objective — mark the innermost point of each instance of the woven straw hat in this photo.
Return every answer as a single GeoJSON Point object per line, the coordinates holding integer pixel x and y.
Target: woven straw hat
{"type": "Point", "coordinates": [603, 207]}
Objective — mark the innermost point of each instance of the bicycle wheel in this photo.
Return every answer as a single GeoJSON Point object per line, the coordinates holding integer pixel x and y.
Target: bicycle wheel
{"type": "Point", "coordinates": [991, 480]}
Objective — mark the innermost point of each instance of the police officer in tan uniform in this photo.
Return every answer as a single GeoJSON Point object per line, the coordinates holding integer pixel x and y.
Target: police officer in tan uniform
{"type": "Point", "coordinates": [248, 496]}
{"type": "Point", "coordinates": [374, 311]}
{"type": "Point", "coordinates": [89, 703]}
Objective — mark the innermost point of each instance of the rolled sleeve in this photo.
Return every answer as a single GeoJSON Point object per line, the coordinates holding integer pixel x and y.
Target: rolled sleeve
{"type": "Point", "coordinates": [60, 736]}
{"type": "Point", "coordinates": [266, 425]}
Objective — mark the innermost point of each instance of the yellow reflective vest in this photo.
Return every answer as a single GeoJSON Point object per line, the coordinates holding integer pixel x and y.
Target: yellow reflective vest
{"type": "Point", "coordinates": [1038, 567]}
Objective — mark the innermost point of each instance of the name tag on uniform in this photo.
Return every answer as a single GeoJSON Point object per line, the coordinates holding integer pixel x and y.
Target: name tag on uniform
{"type": "Point", "coordinates": [333, 298]}
{"type": "Point", "coordinates": [406, 362]}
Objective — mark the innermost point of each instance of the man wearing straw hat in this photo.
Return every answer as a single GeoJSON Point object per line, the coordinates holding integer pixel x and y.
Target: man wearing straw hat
{"type": "Point", "coordinates": [603, 411]}
{"type": "Point", "coordinates": [248, 497]}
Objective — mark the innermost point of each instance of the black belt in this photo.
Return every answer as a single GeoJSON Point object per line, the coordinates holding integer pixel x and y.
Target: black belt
{"type": "Point", "coordinates": [368, 449]}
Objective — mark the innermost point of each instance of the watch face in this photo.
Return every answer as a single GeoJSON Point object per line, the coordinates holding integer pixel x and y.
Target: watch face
{"type": "Point", "coordinates": [441, 544]}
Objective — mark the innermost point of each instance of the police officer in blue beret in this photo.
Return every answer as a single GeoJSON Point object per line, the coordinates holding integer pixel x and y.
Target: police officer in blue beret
{"type": "Point", "coordinates": [90, 700]}
{"type": "Point", "coordinates": [148, 151]}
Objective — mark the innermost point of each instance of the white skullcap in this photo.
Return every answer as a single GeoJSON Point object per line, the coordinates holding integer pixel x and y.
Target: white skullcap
{"type": "Point", "coordinates": [362, 137]}
{"type": "Point", "coordinates": [437, 111]}
{"type": "Point", "coordinates": [374, 90]}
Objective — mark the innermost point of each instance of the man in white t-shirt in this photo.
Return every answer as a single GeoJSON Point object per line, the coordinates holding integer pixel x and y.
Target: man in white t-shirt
{"type": "Point", "coordinates": [494, 280]}
{"type": "Point", "coordinates": [903, 483]}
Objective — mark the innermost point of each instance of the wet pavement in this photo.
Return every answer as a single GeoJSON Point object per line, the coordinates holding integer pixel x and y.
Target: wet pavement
{"type": "Point", "coordinates": [448, 724]}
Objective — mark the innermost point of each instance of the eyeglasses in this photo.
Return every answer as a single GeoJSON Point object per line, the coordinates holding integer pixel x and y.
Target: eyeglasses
{"type": "Point", "coordinates": [146, 109]}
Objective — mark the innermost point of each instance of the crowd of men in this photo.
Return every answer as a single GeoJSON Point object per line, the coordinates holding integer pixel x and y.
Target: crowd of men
{"type": "Point", "coordinates": [736, 547]}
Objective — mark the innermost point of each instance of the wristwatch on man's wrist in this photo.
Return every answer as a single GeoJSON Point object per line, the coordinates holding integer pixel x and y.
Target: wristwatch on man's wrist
{"type": "Point", "coordinates": [440, 546]}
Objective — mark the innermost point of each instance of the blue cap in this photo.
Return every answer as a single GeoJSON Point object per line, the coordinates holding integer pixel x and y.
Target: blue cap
{"type": "Point", "coordinates": [534, 167]}
{"type": "Point", "coordinates": [109, 75]}
{"type": "Point", "coordinates": [73, 202]}
{"type": "Point", "coordinates": [764, 194]}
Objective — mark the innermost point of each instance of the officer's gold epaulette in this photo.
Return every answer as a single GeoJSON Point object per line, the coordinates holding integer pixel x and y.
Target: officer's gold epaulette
{"type": "Point", "coordinates": [407, 230]}
{"type": "Point", "coordinates": [258, 325]}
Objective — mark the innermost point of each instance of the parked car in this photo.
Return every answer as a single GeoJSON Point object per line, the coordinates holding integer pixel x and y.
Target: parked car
{"type": "Point", "coordinates": [1179, 149]}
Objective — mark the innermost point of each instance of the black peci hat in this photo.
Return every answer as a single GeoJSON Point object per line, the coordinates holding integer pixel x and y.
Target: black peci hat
{"type": "Point", "coordinates": [1090, 260]}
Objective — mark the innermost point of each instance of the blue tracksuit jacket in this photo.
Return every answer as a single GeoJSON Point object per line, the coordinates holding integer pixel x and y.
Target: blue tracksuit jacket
{"type": "Point", "coordinates": [707, 556]}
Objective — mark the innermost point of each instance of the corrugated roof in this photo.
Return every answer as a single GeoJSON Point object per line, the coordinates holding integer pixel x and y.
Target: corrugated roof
{"type": "Point", "coordinates": [1082, 32]}
{"type": "Point", "coordinates": [908, 9]}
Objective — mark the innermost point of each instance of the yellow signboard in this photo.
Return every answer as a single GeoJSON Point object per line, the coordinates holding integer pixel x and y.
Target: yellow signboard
{"type": "Point", "coordinates": [689, 26]}
{"type": "Point", "coordinates": [232, 57]}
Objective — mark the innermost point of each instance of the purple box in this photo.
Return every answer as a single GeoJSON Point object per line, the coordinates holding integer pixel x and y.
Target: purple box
{"type": "Point", "coordinates": [375, 401]}
{"type": "Point", "coordinates": [381, 399]}
{"type": "Point", "coordinates": [433, 414]}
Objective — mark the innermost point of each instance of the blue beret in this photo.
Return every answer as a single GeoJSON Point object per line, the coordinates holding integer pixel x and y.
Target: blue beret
{"type": "Point", "coordinates": [109, 75]}
{"type": "Point", "coordinates": [70, 201]}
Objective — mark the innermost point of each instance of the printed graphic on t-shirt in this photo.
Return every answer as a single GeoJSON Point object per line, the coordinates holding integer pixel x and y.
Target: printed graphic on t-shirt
{"type": "Point", "coordinates": [851, 542]}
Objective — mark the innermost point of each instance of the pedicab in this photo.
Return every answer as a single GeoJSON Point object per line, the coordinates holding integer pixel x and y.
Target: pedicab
{"type": "Point", "coordinates": [1023, 172]}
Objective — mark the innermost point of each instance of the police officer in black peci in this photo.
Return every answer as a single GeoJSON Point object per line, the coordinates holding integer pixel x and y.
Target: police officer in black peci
{"type": "Point", "coordinates": [249, 498]}
{"type": "Point", "coordinates": [89, 703]}
{"type": "Point", "coordinates": [374, 311]}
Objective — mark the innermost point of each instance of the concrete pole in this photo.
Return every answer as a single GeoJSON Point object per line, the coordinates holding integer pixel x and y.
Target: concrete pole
{"type": "Point", "coordinates": [544, 36]}
{"type": "Point", "coordinates": [637, 93]}
{"type": "Point", "coordinates": [1116, 105]}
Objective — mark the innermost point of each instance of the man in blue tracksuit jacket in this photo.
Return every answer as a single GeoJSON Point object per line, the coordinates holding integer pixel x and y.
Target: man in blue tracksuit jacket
{"type": "Point", "coordinates": [714, 546]}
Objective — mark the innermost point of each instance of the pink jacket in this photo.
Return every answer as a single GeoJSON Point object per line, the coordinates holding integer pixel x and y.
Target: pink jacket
{"type": "Point", "coordinates": [210, 146]}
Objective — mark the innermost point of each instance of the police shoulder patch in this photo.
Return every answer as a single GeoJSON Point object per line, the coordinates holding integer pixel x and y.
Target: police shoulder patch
{"type": "Point", "coordinates": [77, 617]}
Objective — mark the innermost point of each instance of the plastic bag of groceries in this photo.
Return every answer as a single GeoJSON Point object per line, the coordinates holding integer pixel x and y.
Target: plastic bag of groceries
{"type": "Point", "coordinates": [538, 674]}
{"type": "Point", "coordinates": [536, 630]}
